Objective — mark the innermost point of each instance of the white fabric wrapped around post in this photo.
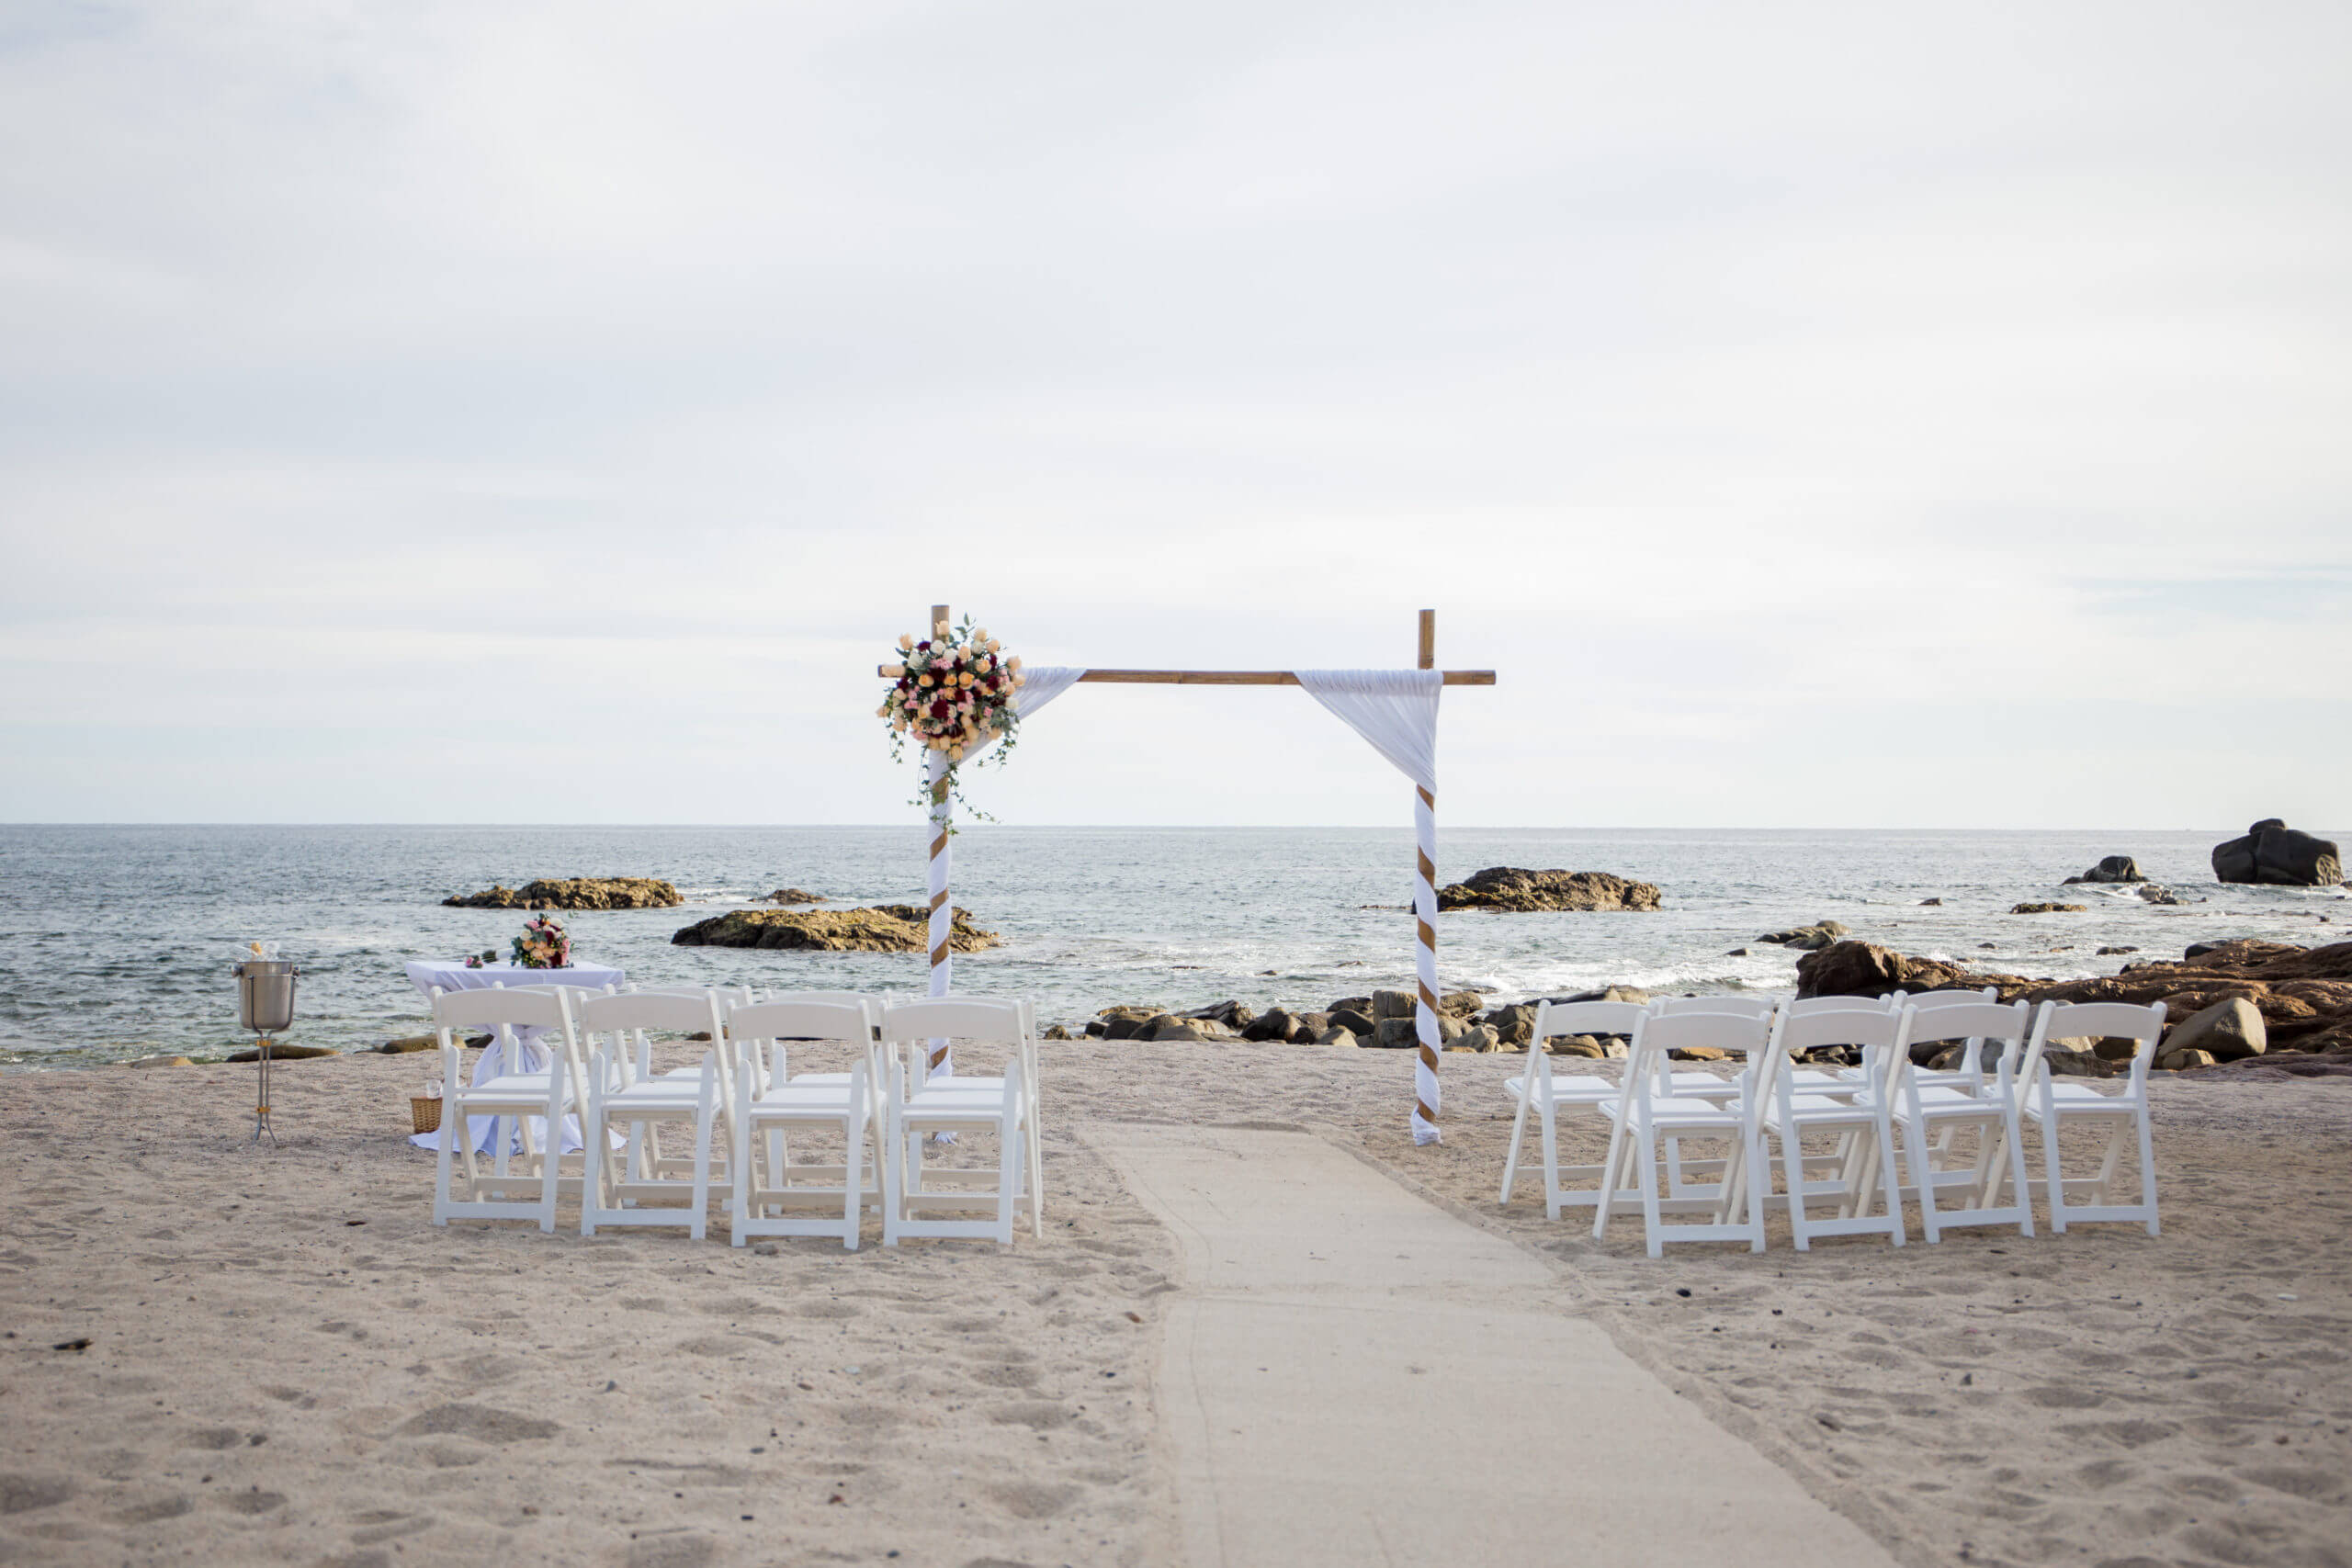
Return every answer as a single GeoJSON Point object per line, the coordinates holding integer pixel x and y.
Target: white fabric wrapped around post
{"type": "Point", "coordinates": [1397, 711]}
{"type": "Point", "coordinates": [1038, 687]}
{"type": "Point", "coordinates": [943, 913]}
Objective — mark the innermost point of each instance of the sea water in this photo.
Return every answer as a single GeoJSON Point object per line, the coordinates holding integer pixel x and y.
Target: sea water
{"type": "Point", "coordinates": [117, 942]}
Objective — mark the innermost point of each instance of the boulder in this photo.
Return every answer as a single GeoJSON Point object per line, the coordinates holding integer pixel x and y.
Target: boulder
{"type": "Point", "coordinates": [2113, 952]}
{"type": "Point", "coordinates": [1462, 1005]}
{"type": "Point", "coordinates": [1352, 1021]}
{"type": "Point", "coordinates": [1054, 1032]}
{"type": "Point", "coordinates": [1814, 937]}
{"type": "Point", "coordinates": [1310, 1026]}
{"type": "Point", "coordinates": [1272, 1025]}
{"type": "Point", "coordinates": [1930, 903]}
{"type": "Point", "coordinates": [2114, 868]}
{"type": "Point", "coordinates": [2184, 1061]}
{"type": "Point", "coordinates": [2227, 1030]}
{"type": "Point", "coordinates": [1351, 1004]}
{"type": "Point", "coordinates": [574, 893]}
{"type": "Point", "coordinates": [1513, 1025]}
{"type": "Point", "coordinates": [1589, 1045]}
{"type": "Point", "coordinates": [1336, 1036]}
{"type": "Point", "coordinates": [883, 927]}
{"type": "Point", "coordinates": [1633, 994]}
{"type": "Point", "coordinates": [2078, 1064]}
{"type": "Point", "coordinates": [1509, 891]}
{"type": "Point", "coordinates": [2049, 909]}
{"type": "Point", "coordinates": [1865, 969]}
{"type": "Point", "coordinates": [164, 1062]}
{"type": "Point", "coordinates": [1481, 1038]}
{"type": "Point", "coordinates": [1394, 1004]}
{"type": "Point", "coordinates": [409, 1043]}
{"type": "Point", "coordinates": [2156, 893]}
{"type": "Point", "coordinates": [796, 896]}
{"type": "Point", "coordinates": [283, 1053]}
{"type": "Point", "coordinates": [1230, 1014]}
{"type": "Point", "coordinates": [2275, 853]}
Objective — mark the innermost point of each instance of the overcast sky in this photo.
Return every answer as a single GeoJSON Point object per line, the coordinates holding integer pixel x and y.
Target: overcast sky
{"type": "Point", "coordinates": [1819, 416]}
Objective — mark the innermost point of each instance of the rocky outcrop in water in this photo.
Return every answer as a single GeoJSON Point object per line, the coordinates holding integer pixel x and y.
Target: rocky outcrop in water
{"type": "Point", "coordinates": [1506, 889]}
{"type": "Point", "coordinates": [2275, 853]}
{"type": "Point", "coordinates": [2049, 909]}
{"type": "Point", "coordinates": [2114, 868]}
{"type": "Point", "coordinates": [574, 893]}
{"type": "Point", "coordinates": [796, 896]}
{"type": "Point", "coordinates": [883, 928]}
{"type": "Point", "coordinates": [1813, 938]}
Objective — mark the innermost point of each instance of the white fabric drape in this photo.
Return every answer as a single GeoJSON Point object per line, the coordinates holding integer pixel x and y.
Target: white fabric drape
{"type": "Point", "coordinates": [1041, 684]}
{"type": "Point", "coordinates": [1397, 711]}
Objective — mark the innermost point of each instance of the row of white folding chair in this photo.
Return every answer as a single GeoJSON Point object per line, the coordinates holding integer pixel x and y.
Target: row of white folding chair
{"type": "Point", "coordinates": [1772, 1100]}
{"type": "Point", "coordinates": [929, 1106]}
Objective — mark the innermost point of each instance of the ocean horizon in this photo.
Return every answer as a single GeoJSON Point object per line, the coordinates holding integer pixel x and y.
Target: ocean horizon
{"type": "Point", "coordinates": [116, 939]}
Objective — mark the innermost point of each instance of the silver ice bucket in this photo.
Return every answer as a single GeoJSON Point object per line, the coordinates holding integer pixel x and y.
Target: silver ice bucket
{"type": "Point", "coordinates": [265, 995]}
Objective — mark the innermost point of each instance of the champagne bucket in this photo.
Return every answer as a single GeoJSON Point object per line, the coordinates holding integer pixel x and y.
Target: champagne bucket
{"type": "Point", "coordinates": [265, 995]}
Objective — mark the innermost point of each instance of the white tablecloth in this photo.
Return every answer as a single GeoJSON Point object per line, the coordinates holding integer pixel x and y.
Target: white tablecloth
{"type": "Point", "coordinates": [530, 1057]}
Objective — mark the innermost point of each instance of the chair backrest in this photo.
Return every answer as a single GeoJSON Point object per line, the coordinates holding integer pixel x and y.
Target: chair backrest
{"type": "Point", "coordinates": [800, 1020]}
{"type": "Point", "coordinates": [1928, 1001]}
{"type": "Point", "coordinates": [1722, 1002]}
{"type": "Point", "coordinates": [988, 1018]}
{"type": "Point", "coordinates": [532, 1006]}
{"type": "Point", "coordinates": [1647, 1076]}
{"type": "Point", "coordinates": [2143, 1026]}
{"type": "Point", "coordinates": [872, 1006]}
{"type": "Point", "coordinates": [1973, 1019]}
{"type": "Point", "coordinates": [1803, 1006]}
{"type": "Point", "coordinates": [1588, 1018]}
{"type": "Point", "coordinates": [1883, 1036]}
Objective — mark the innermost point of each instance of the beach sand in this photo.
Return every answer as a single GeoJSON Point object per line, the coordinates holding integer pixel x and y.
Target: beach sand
{"type": "Point", "coordinates": [266, 1381]}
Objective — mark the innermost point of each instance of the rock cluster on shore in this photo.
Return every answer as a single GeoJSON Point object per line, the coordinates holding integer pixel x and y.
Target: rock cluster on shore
{"type": "Point", "coordinates": [574, 893]}
{"type": "Point", "coordinates": [2297, 1015]}
{"type": "Point", "coordinates": [1384, 1020]}
{"type": "Point", "coordinates": [2273, 853]}
{"type": "Point", "coordinates": [882, 927]}
{"type": "Point", "coordinates": [1506, 889]}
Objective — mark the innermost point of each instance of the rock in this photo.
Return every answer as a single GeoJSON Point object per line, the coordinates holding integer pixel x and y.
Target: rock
{"type": "Point", "coordinates": [1481, 1038]}
{"type": "Point", "coordinates": [1054, 1032]}
{"type": "Point", "coordinates": [1736, 952]}
{"type": "Point", "coordinates": [1865, 969]}
{"type": "Point", "coordinates": [1352, 1021]}
{"type": "Point", "coordinates": [2114, 868]}
{"type": "Point", "coordinates": [1930, 903]}
{"type": "Point", "coordinates": [1339, 1037]}
{"type": "Point", "coordinates": [1633, 994]}
{"type": "Point", "coordinates": [1395, 1034]}
{"type": "Point", "coordinates": [1096, 1028]}
{"type": "Point", "coordinates": [884, 927]}
{"type": "Point", "coordinates": [1699, 1054]}
{"type": "Point", "coordinates": [1230, 1014]}
{"type": "Point", "coordinates": [1814, 937]}
{"type": "Point", "coordinates": [409, 1043]}
{"type": "Point", "coordinates": [1464, 1005]}
{"type": "Point", "coordinates": [2228, 1030]}
{"type": "Point", "coordinates": [2113, 952]}
{"type": "Point", "coordinates": [2275, 853]}
{"type": "Point", "coordinates": [1196, 1030]}
{"type": "Point", "coordinates": [574, 893]}
{"type": "Point", "coordinates": [1513, 1025]}
{"type": "Point", "coordinates": [1272, 1025]}
{"type": "Point", "coordinates": [2049, 909]}
{"type": "Point", "coordinates": [2156, 894]}
{"type": "Point", "coordinates": [796, 896]}
{"type": "Point", "coordinates": [164, 1062]}
{"type": "Point", "coordinates": [1590, 1045]}
{"type": "Point", "coordinates": [1394, 1004]}
{"type": "Point", "coordinates": [2078, 1064]}
{"type": "Point", "coordinates": [1509, 891]}
{"type": "Point", "coordinates": [279, 1052]}
{"type": "Point", "coordinates": [1311, 1025]}
{"type": "Point", "coordinates": [1351, 1004]}
{"type": "Point", "coordinates": [2184, 1061]}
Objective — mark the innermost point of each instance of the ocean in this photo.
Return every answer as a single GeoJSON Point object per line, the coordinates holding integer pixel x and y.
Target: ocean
{"type": "Point", "coordinates": [117, 942]}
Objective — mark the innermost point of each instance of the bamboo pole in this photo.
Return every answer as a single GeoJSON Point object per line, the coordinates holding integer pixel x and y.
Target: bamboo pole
{"type": "Point", "coordinates": [1231, 677]}
{"type": "Point", "coordinates": [1427, 1038]}
{"type": "Point", "coordinates": [943, 908]}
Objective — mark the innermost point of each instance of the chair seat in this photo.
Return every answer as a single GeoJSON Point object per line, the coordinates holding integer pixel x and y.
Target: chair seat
{"type": "Point", "coordinates": [1670, 1114]}
{"type": "Point", "coordinates": [2085, 1103]}
{"type": "Point", "coordinates": [1578, 1090]}
{"type": "Point", "coordinates": [521, 1086]}
{"type": "Point", "coordinates": [1810, 1111]}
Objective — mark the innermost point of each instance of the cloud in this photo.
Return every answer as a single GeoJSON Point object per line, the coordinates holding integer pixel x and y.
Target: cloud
{"type": "Point", "coordinates": [399, 403]}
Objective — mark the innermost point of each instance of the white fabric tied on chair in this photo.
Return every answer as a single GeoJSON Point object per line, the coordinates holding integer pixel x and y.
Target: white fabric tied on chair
{"type": "Point", "coordinates": [1397, 711]}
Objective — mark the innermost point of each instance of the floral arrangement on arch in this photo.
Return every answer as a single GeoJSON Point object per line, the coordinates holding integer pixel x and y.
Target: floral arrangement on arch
{"type": "Point", "coordinates": [953, 694]}
{"type": "Point", "coordinates": [543, 945]}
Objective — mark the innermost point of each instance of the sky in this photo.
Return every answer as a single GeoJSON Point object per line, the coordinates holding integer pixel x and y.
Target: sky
{"type": "Point", "coordinates": [1818, 415]}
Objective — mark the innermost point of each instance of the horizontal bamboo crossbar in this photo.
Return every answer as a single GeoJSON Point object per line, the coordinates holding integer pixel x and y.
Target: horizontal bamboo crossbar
{"type": "Point", "coordinates": [1232, 677]}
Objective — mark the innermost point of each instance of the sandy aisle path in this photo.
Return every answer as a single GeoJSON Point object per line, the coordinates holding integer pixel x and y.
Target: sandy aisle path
{"type": "Point", "coordinates": [1334, 1327]}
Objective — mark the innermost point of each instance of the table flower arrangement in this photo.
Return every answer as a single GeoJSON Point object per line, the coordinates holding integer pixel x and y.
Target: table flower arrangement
{"type": "Point", "coordinates": [953, 694]}
{"type": "Point", "coordinates": [543, 945]}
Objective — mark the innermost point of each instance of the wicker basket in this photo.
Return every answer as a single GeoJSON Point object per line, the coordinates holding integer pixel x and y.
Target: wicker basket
{"type": "Point", "coordinates": [424, 1113]}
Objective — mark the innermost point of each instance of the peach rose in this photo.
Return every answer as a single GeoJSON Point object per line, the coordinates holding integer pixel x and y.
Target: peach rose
{"type": "Point", "coordinates": [906, 642]}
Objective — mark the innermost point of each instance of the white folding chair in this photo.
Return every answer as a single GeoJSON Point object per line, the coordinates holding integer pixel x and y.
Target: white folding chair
{"type": "Point", "coordinates": [1934, 1114]}
{"type": "Point", "coordinates": [768, 1186]}
{"type": "Point", "coordinates": [1645, 1116]}
{"type": "Point", "coordinates": [1861, 1119]}
{"type": "Point", "coordinates": [530, 1106]}
{"type": "Point", "coordinates": [1006, 1105]}
{"type": "Point", "coordinates": [2049, 1105]}
{"type": "Point", "coordinates": [1545, 1094]}
{"type": "Point", "coordinates": [626, 1191]}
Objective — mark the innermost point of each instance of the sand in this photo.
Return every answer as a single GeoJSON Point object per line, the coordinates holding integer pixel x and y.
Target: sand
{"type": "Point", "coordinates": [266, 1381]}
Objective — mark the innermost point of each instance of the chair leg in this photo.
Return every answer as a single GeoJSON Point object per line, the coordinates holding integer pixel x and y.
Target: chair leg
{"type": "Point", "coordinates": [1550, 1134]}
{"type": "Point", "coordinates": [1923, 1172]}
{"type": "Point", "coordinates": [852, 1174]}
{"type": "Point", "coordinates": [700, 1226]}
{"type": "Point", "coordinates": [1756, 1175]}
{"type": "Point", "coordinates": [2148, 1169]}
{"type": "Point", "coordinates": [1510, 1156]}
{"type": "Point", "coordinates": [1792, 1171]}
{"type": "Point", "coordinates": [2013, 1138]}
{"type": "Point", "coordinates": [1613, 1170]}
{"type": "Point", "coordinates": [1649, 1176]}
{"type": "Point", "coordinates": [1890, 1179]}
{"type": "Point", "coordinates": [2049, 1164]}
{"type": "Point", "coordinates": [591, 1195]}
{"type": "Point", "coordinates": [450, 1125]}
{"type": "Point", "coordinates": [1008, 1183]}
